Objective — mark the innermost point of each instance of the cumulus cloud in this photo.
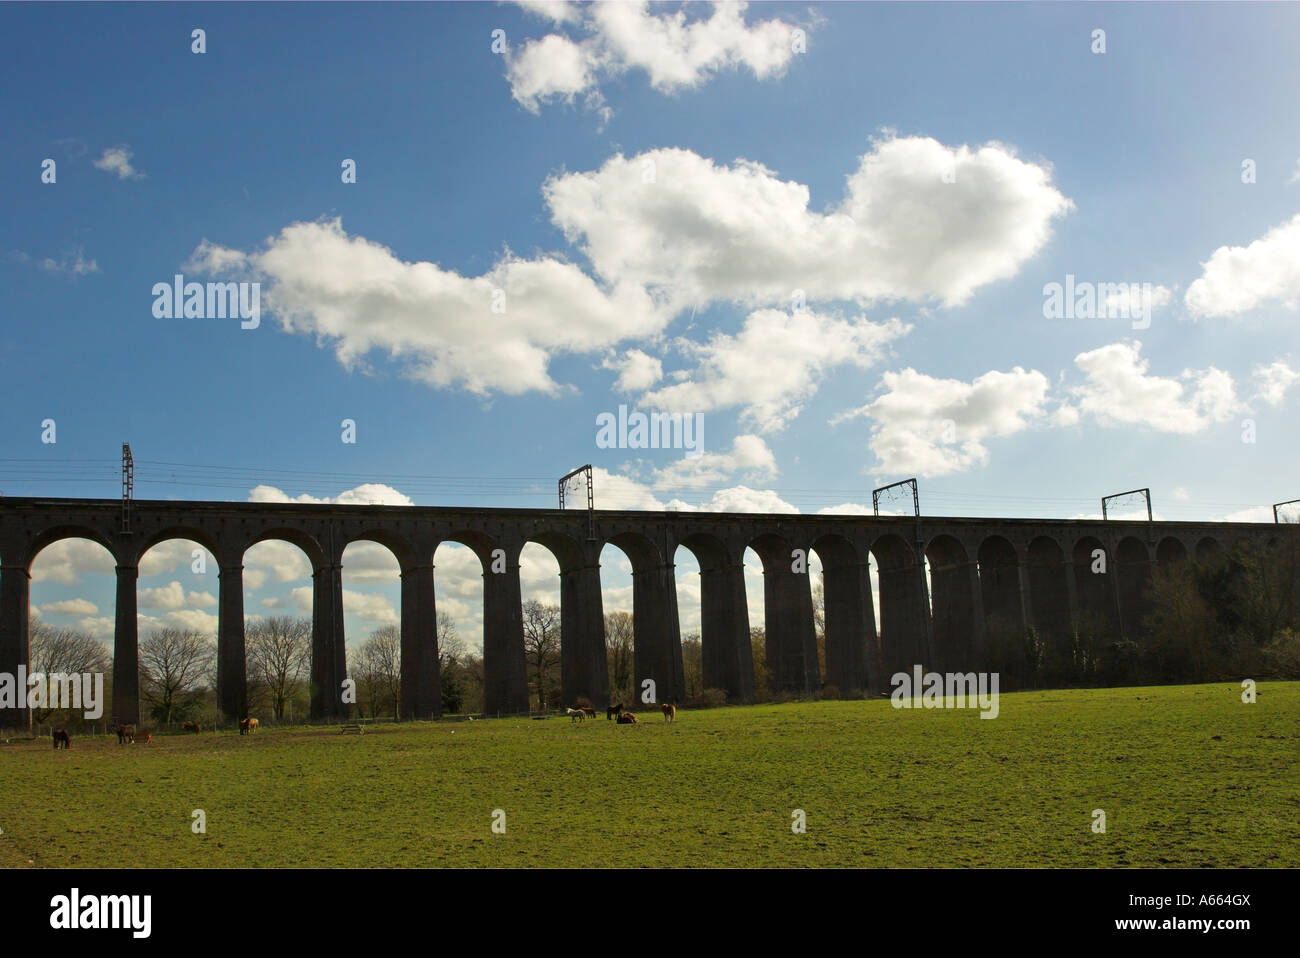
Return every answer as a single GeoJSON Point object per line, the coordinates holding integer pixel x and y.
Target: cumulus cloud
{"type": "Point", "coordinates": [636, 370]}
{"type": "Point", "coordinates": [675, 53]}
{"type": "Point", "coordinates": [749, 455]}
{"type": "Point", "coordinates": [930, 427]}
{"type": "Point", "coordinates": [1120, 390]}
{"type": "Point", "coordinates": [1239, 278]}
{"type": "Point", "coordinates": [737, 499]}
{"type": "Point", "coordinates": [117, 160]}
{"type": "Point", "coordinates": [172, 597]}
{"type": "Point", "coordinates": [774, 364]}
{"type": "Point", "coordinates": [494, 332]}
{"type": "Point", "coordinates": [366, 494]}
{"type": "Point", "coordinates": [693, 231]}
{"type": "Point", "coordinates": [67, 560]}
{"type": "Point", "coordinates": [70, 607]}
{"type": "Point", "coordinates": [1274, 380]}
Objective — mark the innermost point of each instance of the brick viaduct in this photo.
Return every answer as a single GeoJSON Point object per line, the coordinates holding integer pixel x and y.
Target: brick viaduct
{"type": "Point", "coordinates": [1037, 572]}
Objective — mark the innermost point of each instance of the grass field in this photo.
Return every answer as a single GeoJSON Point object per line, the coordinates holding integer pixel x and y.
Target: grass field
{"type": "Point", "coordinates": [1186, 775]}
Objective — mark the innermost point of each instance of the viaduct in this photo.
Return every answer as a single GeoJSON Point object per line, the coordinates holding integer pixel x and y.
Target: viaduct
{"type": "Point", "coordinates": [1036, 572]}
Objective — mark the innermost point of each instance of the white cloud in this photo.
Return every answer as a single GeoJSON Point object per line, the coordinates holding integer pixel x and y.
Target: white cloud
{"type": "Point", "coordinates": [370, 493]}
{"type": "Point", "coordinates": [700, 231]}
{"type": "Point", "coordinates": [70, 607]}
{"type": "Point", "coordinates": [491, 332]}
{"type": "Point", "coordinates": [676, 54]}
{"type": "Point", "coordinates": [1133, 300]}
{"type": "Point", "coordinates": [774, 364]}
{"type": "Point", "coordinates": [930, 427]}
{"type": "Point", "coordinates": [846, 509]}
{"type": "Point", "coordinates": [171, 554]}
{"type": "Point", "coordinates": [172, 597]}
{"type": "Point", "coordinates": [737, 499]}
{"type": "Point", "coordinates": [1119, 390]}
{"type": "Point", "coordinates": [557, 11]}
{"type": "Point", "coordinates": [749, 454]}
{"type": "Point", "coordinates": [1237, 278]}
{"type": "Point", "coordinates": [67, 560]}
{"type": "Point", "coordinates": [1252, 514]}
{"type": "Point", "coordinates": [1274, 381]}
{"type": "Point", "coordinates": [552, 68]}
{"type": "Point", "coordinates": [117, 159]}
{"type": "Point", "coordinates": [74, 263]}
{"type": "Point", "coordinates": [636, 370]}
{"type": "Point", "coordinates": [285, 561]}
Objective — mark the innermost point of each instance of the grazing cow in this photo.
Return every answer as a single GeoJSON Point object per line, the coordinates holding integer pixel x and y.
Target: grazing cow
{"type": "Point", "coordinates": [591, 712]}
{"type": "Point", "coordinates": [125, 734]}
{"type": "Point", "coordinates": [613, 711]}
{"type": "Point", "coordinates": [147, 738]}
{"type": "Point", "coordinates": [670, 712]}
{"type": "Point", "coordinates": [61, 739]}
{"type": "Point", "coordinates": [194, 727]}
{"type": "Point", "coordinates": [248, 726]}
{"type": "Point", "coordinates": [627, 718]}
{"type": "Point", "coordinates": [576, 715]}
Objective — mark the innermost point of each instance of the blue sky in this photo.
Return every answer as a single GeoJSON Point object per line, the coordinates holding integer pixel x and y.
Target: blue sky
{"type": "Point", "coordinates": [651, 188]}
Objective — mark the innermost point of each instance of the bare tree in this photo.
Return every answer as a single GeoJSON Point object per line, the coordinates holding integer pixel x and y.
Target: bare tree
{"type": "Point", "coordinates": [619, 646]}
{"type": "Point", "coordinates": [279, 654]}
{"type": "Point", "coordinates": [379, 668]}
{"type": "Point", "coordinates": [451, 647]}
{"type": "Point", "coordinates": [58, 649]}
{"type": "Point", "coordinates": [541, 644]}
{"type": "Point", "coordinates": [174, 663]}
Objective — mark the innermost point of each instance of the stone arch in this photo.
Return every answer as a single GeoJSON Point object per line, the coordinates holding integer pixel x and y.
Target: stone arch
{"type": "Point", "coordinates": [49, 536]}
{"type": "Point", "coordinates": [1094, 588]}
{"type": "Point", "coordinates": [999, 568]}
{"type": "Point", "coordinates": [957, 632]}
{"type": "Point", "coordinates": [789, 632]}
{"type": "Point", "coordinates": [188, 533]}
{"type": "Point", "coordinates": [657, 642]}
{"type": "Point", "coordinates": [1209, 550]}
{"type": "Point", "coordinates": [852, 646]}
{"type": "Point", "coordinates": [1133, 582]}
{"type": "Point", "coordinates": [1170, 552]}
{"type": "Point", "coordinates": [584, 665]}
{"type": "Point", "coordinates": [17, 590]}
{"type": "Point", "coordinates": [417, 655]}
{"type": "Point", "coordinates": [1050, 587]}
{"type": "Point", "coordinates": [904, 616]}
{"type": "Point", "coordinates": [231, 668]}
{"type": "Point", "coordinates": [728, 661]}
{"type": "Point", "coordinates": [328, 655]}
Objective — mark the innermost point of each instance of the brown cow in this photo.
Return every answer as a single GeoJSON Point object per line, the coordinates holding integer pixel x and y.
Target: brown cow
{"type": "Point", "coordinates": [125, 734]}
{"type": "Point", "coordinates": [627, 718]}
{"type": "Point", "coordinates": [614, 711]}
{"type": "Point", "coordinates": [591, 712]}
{"type": "Point", "coordinates": [248, 726]}
{"type": "Point", "coordinates": [670, 712]}
{"type": "Point", "coordinates": [61, 739]}
{"type": "Point", "coordinates": [194, 727]}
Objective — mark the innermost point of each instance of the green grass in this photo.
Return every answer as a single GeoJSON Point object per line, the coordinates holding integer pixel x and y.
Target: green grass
{"type": "Point", "coordinates": [1187, 776]}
